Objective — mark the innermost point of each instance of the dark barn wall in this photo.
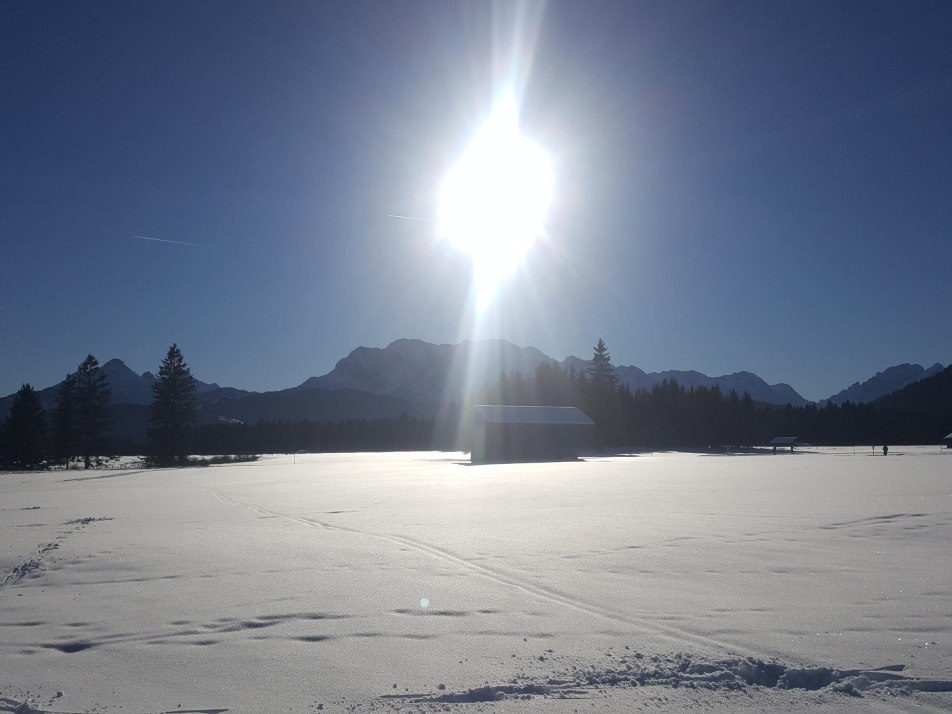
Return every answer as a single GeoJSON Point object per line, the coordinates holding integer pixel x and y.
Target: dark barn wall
{"type": "Point", "coordinates": [533, 442]}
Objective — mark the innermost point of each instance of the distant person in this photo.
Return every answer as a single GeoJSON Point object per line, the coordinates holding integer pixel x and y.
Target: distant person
{"type": "Point", "coordinates": [885, 450]}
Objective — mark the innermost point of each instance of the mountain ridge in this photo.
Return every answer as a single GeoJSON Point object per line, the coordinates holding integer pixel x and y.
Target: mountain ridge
{"type": "Point", "coordinates": [129, 387]}
{"type": "Point", "coordinates": [424, 372]}
{"type": "Point", "coordinates": [882, 383]}
{"type": "Point", "coordinates": [417, 377]}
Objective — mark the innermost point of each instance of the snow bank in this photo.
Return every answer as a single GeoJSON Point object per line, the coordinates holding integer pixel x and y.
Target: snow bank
{"type": "Point", "coordinates": [680, 670]}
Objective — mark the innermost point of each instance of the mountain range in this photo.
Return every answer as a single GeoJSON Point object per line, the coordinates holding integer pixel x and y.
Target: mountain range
{"type": "Point", "coordinates": [416, 377]}
{"type": "Point", "coordinates": [131, 388]}
{"type": "Point", "coordinates": [885, 382]}
{"type": "Point", "coordinates": [428, 374]}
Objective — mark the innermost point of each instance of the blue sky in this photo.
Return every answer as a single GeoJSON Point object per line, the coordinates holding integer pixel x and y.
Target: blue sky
{"type": "Point", "coordinates": [740, 185]}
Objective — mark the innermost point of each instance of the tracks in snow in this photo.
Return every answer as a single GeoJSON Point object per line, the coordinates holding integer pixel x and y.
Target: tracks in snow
{"type": "Point", "coordinates": [503, 578]}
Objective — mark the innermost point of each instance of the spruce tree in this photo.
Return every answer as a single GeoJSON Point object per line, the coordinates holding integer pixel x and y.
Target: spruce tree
{"type": "Point", "coordinates": [601, 374]}
{"type": "Point", "coordinates": [173, 410]}
{"type": "Point", "coordinates": [65, 421]}
{"type": "Point", "coordinates": [602, 398]}
{"type": "Point", "coordinates": [92, 408]}
{"type": "Point", "coordinates": [23, 434]}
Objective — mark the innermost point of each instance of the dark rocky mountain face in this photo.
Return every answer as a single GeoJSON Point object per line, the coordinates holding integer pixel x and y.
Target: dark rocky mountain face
{"type": "Point", "coordinates": [131, 388]}
{"type": "Point", "coordinates": [931, 395]}
{"type": "Point", "coordinates": [127, 386]}
{"type": "Point", "coordinates": [885, 382]}
{"type": "Point", "coordinates": [425, 373]}
{"type": "Point", "coordinates": [740, 382]}
{"type": "Point", "coordinates": [416, 378]}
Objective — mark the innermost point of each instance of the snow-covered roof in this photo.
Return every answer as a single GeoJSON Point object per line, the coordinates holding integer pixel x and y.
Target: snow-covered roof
{"type": "Point", "coordinates": [947, 436]}
{"type": "Point", "coordinates": [494, 414]}
{"type": "Point", "coordinates": [785, 441]}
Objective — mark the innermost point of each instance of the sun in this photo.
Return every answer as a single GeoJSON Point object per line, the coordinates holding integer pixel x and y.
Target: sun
{"type": "Point", "coordinates": [494, 201]}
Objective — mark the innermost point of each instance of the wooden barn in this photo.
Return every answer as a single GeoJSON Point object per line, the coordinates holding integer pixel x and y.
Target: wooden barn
{"type": "Point", "coordinates": [790, 441]}
{"type": "Point", "coordinates": [523, 433]}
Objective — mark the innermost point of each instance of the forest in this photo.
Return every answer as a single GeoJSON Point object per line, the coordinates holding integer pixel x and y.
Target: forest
{"type": "Point", "coordinates": [668, 416]}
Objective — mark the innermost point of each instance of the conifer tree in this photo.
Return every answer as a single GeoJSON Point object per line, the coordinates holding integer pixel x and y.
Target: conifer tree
{"type": "Point", "coordinates": [173, 410]}
{"type": "Point", "coordinates": [23, 434]}
{"type": "Point", "coordinates": [93, 395]}
{"type": "Point", "coordinates": [602, 398]}
{"type": "Point", "coordinates": [65, 421]}
{"type": "Point", "coordinates": [601, 374]}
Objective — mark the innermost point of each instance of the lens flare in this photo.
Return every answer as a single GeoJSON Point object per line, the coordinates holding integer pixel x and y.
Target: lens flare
{"type": "Point", "coordinates": [494, 201]}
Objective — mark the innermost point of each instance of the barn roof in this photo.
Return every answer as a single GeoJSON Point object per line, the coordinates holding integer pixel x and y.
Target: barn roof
{"type": "Point", "coordinates": [493, 414]}
{"type": "Point", "coordinates": [785, 441]}
{"type": "Point", "coordinates": [947, 436]}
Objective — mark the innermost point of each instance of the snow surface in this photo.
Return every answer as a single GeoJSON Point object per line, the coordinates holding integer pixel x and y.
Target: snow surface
{"type": "Point", "coordinates": [415, 582]}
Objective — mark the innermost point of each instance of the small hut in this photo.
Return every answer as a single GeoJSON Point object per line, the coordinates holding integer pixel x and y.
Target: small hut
{"type": "Point", "coordinates": [948, 441]}
{"type": "Point", "coordinates": [527, 433]}
{"type": "Point", "coordinates": [790, 441]}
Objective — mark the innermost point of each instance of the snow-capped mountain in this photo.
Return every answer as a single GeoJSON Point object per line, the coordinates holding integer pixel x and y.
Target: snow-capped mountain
{"type": "Point", "coordinates": [885, 382]}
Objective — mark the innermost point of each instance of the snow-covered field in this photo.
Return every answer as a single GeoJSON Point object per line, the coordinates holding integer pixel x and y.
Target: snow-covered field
{"type": "Point", "coordinates": [363, 582]}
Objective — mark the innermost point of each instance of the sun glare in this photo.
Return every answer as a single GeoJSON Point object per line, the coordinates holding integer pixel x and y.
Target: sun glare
{"type": "Point", "coordinates": [494, 201]}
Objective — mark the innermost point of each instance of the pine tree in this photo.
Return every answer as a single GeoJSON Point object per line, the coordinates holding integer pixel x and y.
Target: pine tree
{"type": "Point", "coordinates": [173, 410]}
{"type": "Point", "coordinates": [92, 408]}
{"type": "Point", "coordinates": [65, 421]}
{"type": "Point", "coordinates": [602, 397]}
{"type": "Point", "coordinates": [601, 374]}
{"type": "Point", "coordinates": [23, 434]}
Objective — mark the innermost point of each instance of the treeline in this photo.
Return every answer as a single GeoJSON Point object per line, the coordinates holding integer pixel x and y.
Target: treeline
{"type": "Point", "coordinates": [668, 416]}
{"type": "Point", "coordinates": [276, 437]}
{"type": "Point", "coordinates": [78, 427]}
{"type": "Point", "coordinates": [75, 429]}
{"type": "Point", "coordinates": [672, 416]}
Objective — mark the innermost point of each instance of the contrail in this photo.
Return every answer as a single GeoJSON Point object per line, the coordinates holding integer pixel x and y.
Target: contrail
{"type": "Point", "coordinates": [166, 240]}
{"type": "Point", "coordinates": [408, 218]}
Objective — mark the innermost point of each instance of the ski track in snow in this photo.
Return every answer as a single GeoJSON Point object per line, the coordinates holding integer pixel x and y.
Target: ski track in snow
{"type": "Point", "coordinates": [550, 594]}
{"type": "Point", "coordinates": [681, 670]}
{"type": "Point", "coordinates": [508, 579]}
{"type": "Point", "coordinates": [722, 667]}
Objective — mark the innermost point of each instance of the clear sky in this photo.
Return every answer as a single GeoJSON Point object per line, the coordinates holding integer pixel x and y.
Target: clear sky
{"type": "Point", "coordinates": [739, 185]}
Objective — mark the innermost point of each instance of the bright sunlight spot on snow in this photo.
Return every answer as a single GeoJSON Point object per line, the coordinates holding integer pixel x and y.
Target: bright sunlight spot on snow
{"type": "Point", "coordinates": [494, 201]}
